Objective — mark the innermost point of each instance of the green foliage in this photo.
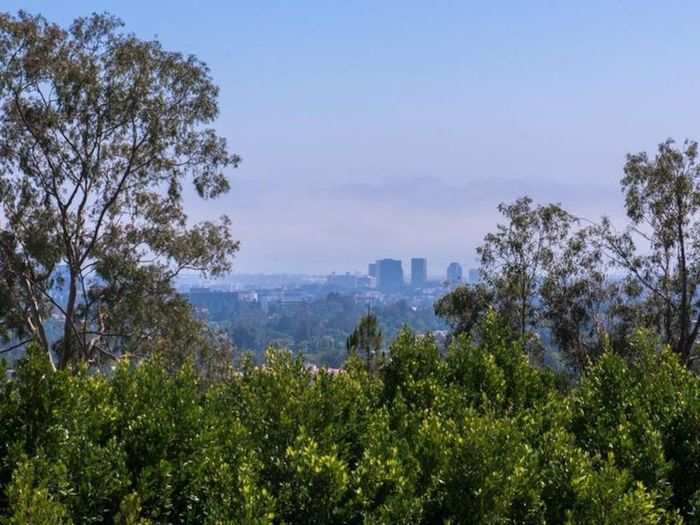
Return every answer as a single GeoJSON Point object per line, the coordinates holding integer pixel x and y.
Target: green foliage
{"type": "Point", "coordinates": [318, 329]}
{"type": "Point", "coordinates": [513, 257]}
{"type": "Point", "coordinates": [491, 474]}
{"type": "Point", "coordinates": [384, 480]}
{"type": "Point", "coordinates": [662, 197]}
{"type": "Point", "coordinates": [465, 307]}
{"type": "Point", "coordinates": [98, 133]}
{"type": "Point", "coordinates": [550, 277]}
{"type": "Point", "coordinates": [476, 436]}
{"type": "Point", "coordinates": [30, 498]}
{"type": "Point", "coordinates": [500, 379]}
{"type": "Point", "coordinates": [413, 371]}
{"type": "Point", "coordinates": [366, 339]}
{"type": "Point", "coordinates": [315, 483]}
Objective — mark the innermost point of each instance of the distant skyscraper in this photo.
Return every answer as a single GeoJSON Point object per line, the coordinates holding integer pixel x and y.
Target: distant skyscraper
{"type": "Point", "coordinates": [474, 276]}
{"type": "Point", "coordinates": [419, 271]}
{"type": "Point", "coordinates": [454, 273]}
{"type": "Point", "coordinates": [389, 274]}
{"type": "Point", "coordinates": [372, 270]}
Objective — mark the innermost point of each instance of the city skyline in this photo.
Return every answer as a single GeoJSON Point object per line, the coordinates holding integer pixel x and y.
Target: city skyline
{"type": "Point", "coordinates": [433, 272]}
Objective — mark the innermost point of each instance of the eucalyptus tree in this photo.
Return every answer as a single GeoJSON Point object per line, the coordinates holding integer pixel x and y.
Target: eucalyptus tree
{"type": "Point", "coordinates": [515, 256]}
{"type": "Point", "coordinates": [578, 298]}
{"type": "Point", "coordinates": [514, 263]}
{"type": "Point", "coordinates": [659, 251]}
{"type": "Point", "coordinates": [543, 275]}
{"type": "Point", "coordinates": [465, 307]}
{"type": "Point", "coordinates": [99, 133]}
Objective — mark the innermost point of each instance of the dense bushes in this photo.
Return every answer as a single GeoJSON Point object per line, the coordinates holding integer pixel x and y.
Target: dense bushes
{"type": "Point", "coordinates": [477, 436]}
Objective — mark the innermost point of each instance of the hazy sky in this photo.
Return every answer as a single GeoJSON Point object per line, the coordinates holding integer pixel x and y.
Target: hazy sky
{"type": "Point", "coordinates": [393, 129]}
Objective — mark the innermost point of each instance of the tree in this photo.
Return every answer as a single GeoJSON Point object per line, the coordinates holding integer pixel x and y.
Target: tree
{"type": "Point", "coordinates": [515, 256]}
{"type": "Point", "coordinates": [366, 338]}
{"type": "Point", "coordinates": [546, 274]}
{"type": "Point", "coordinates": [662, 200]}
{"type": "Point", "coordinates": [541, 273]}
{"type": "Point", "coordinates": [99, 133]}
{"type": "Point", "coordinates": [578, 299]}
{"type": "Point", "coordinates": [465, 307]}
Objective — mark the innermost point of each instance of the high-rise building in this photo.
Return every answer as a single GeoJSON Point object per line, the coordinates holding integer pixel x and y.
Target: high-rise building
{"type": "Point", "coordinates": [372, 270]}
{"type": "Point", "coordinates": [419, 271]}
{"type": "Point", "coordinates": [389, 274]}
{"type": "Point", "coordinates": [474, 276]}
{"type": "Point", "coordinates": [454, 273]}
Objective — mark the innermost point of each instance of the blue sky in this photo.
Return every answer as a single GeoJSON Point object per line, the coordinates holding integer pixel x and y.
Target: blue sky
{"type": "Point", "coordinates": [393, 129]}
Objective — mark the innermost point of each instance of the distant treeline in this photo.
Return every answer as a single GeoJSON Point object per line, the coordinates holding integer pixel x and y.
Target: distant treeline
{"type": "Point", "coordinates": [319, 329]}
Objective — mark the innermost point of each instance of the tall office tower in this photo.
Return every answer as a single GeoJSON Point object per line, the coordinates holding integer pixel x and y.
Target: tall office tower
{"type": "Point", "coordinates": [389, 274]}
{"type": "Point", "coordinates": [454, 273]}
{"type": "Point", "coordinates": [372, 270]}
{"type": "Point", "coordinates": [419, 271]}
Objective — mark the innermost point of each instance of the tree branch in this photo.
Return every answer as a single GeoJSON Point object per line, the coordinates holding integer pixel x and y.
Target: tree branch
{"type": "Point", "coordinates": [15, 346]}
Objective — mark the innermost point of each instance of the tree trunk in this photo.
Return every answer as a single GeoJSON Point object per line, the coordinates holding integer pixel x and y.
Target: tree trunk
{"type": "Point", "coordinates": [69, 343]}
{"type": "Point", "coordinates": [684, 343]}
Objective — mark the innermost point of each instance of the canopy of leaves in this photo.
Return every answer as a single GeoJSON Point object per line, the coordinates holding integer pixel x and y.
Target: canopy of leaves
{"type": "Point", "coordinates": [477, 436]}
{"type": "Point", "coordinates": [573, 287]}
{"type": "Point", "coordinates": [99, 131]}
{"type": "Point", "coordinates": [659, 250]}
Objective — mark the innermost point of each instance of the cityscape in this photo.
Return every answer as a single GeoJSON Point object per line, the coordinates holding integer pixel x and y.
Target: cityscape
{"type": "Point", "coordinates": [385, 279]}
{"type": "Point", "coordinates": [294, 311]}
{"type": "Point", "coordinates": [310, 315]}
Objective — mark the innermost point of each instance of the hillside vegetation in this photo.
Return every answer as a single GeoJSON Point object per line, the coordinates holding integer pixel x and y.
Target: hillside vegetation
{"type": "Point", "coordinates": [476, 436]}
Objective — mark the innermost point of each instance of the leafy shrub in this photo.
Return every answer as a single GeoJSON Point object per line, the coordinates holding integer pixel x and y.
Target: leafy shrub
{"type": "Point", "coordinates": [478, 436]}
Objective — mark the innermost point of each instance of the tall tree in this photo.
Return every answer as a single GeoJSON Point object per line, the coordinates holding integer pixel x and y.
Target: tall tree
{"type": "Point", "coordinates": [514, 257]}
{"type": "Point", "coordinates": [98, 133]}
{"type": "Point", "coordinates": [542, 274]}
{"type": "Point", "coordinates": [578, 299]}
{"type": "Point", "coordinates": [662, 200]}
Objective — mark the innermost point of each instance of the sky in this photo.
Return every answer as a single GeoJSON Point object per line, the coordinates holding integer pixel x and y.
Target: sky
{"type": "Point", "coordinates": [393, 129]}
